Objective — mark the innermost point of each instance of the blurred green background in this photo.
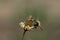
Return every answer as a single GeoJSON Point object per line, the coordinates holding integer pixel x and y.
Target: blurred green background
{"type": "Point", "coordinates": [36, 34]}
{"type": "Point", "coordinates": [14, 11]}
{"type": "Point", "coordinates": [36, 11]}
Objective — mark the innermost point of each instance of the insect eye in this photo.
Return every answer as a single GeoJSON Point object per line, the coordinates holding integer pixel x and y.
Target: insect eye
{"type": "Point", "coordinates": [35, 24]}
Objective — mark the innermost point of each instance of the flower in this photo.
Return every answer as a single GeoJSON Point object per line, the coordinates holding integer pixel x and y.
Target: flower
{"type": "Point", "coordinates": [22, 25]}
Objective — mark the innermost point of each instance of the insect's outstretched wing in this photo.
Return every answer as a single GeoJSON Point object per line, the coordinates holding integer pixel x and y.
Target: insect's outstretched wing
{"type": "Point", "coordinates": [40, 25]}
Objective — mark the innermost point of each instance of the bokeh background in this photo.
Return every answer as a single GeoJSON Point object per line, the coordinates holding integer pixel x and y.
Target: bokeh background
{"type": "Point", "coordinates": [14, 11]}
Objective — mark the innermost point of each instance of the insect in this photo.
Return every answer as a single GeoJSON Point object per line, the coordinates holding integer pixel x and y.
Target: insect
{"type": "Point", "coordinates": [29, 24]}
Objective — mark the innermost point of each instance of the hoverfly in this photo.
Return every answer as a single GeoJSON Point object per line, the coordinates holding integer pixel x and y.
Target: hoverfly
{"type": "Point", "coordinates": [29, 24]}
